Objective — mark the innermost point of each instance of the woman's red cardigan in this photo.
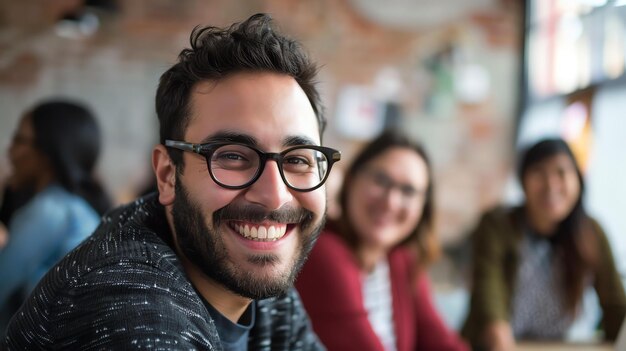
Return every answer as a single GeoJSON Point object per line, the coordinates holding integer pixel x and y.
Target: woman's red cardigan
{"type": "Point", "coordinates": [330, 285]}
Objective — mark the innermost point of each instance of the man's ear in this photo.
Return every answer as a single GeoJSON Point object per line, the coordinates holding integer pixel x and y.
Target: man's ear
{"type": "Point", "coordinates": [165, 172]}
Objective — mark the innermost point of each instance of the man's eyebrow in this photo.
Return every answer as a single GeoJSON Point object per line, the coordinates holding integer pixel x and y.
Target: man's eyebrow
{"type": "Point", "coordinates": [297, 140]}
{"type": "Point", "coordinates": [235, 137]}
{"type": "Point", "coordinates": [246, 139]}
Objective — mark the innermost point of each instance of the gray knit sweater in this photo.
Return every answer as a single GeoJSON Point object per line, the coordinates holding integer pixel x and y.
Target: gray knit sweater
{"type": "Point", "coordinates": [124, 288]}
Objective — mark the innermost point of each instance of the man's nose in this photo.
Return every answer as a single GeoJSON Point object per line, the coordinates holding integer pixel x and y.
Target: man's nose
{"type": "Point", "coordinates": [269, 190]}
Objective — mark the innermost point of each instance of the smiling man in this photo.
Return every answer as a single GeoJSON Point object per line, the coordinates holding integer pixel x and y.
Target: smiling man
{"type": "Point", "coordinates": [209, 262]}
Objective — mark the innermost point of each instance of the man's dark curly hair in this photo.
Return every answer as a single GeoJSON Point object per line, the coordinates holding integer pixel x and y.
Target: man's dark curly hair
{"type": "Point", "coordinates": [217, 53]}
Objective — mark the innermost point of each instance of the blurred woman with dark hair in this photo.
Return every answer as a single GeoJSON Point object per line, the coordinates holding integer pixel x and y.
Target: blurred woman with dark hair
{"type": "Point", "coordinates": [533, 263]}
{"type": "Point", "coordinates": [53, 153]}
{"type": "Point", "coordinates": [365, 284]}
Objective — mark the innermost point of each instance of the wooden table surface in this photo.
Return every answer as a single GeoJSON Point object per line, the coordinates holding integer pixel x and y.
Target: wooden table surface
{"type": "Point", "coordinates": [559, 346]}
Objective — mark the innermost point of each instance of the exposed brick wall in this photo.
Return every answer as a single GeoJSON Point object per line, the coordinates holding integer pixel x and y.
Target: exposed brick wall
{"type": "Point", "coordinates": [117, 69]}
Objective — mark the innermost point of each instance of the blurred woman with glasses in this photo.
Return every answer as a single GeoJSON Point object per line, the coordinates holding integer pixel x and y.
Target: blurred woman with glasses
{"type": "Point", "coordinates": [365, 284]}
{"type": "Point", "coordinates": [53, 154]}
{"type": "Point", "coordinates": [533, 263]}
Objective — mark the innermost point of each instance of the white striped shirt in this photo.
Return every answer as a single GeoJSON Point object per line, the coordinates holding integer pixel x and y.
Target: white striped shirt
{"type": "Point", "coordinates": [378, 304]}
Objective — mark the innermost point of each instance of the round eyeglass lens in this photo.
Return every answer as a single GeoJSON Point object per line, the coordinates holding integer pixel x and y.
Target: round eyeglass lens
{"type": "Point", "coordinates": [304, 168]}
{"type": "Point", "coordinates": [234, 165]}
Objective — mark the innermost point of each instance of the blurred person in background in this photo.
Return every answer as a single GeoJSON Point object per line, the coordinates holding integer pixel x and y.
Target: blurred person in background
{"type": "Point", "coordinates": [53, 154]}
{"type": "Point", "coordinates": [365, 284]}
{"type": "Point", "coordinates": [12, 199]}
{"type": "Point", "coordinates": [531, 264]}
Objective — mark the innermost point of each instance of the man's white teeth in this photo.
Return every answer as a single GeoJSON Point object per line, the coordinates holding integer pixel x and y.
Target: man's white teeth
{"type": "Point", "coordinates": [261, 233]}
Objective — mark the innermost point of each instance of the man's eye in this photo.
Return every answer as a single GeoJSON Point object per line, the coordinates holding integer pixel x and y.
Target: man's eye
{"type": "Point", "coordinates": [232, 161]}
{"type": "Point", "coordinates": [298, 161]}
{"type": "Point", "coordinates": [230, 157]}
{"type": "Point", "coordinates": [298, 165]}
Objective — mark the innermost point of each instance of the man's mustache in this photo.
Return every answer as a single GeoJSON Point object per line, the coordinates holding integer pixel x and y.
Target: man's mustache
{"type": "Point", "coordinates": [257, 214]}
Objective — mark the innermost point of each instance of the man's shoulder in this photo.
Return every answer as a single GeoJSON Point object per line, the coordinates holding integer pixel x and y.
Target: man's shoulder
{"type": "Point", "coordinates": [125, 250]}
{"type": "Point", "coordinates": [127, 234]}
{"type": "Point", "coordinates": [124, 254]}
{"type": "Point", "coordinates": [124, 281]}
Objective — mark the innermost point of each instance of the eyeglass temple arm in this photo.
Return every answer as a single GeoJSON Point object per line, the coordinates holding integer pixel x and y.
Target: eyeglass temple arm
{"type": "Point", "coordinates": [181, 145]}
{"type": "Point", "coordinates": [337, 156]}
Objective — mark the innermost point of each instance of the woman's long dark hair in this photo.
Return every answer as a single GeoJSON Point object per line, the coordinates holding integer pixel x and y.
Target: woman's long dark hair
{"type": "Point", "coordinates": [68, 135]}
{"type": "Point", "coordinates": [423, 234]}
{"type": "Point", "coordinates": [574, 232]}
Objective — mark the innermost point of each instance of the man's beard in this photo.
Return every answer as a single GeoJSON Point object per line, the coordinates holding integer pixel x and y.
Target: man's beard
{"type": "Point", "coordinates": [205, 248]}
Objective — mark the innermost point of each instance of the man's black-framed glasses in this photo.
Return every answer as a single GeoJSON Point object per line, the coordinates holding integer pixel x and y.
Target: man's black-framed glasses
{"type": "Point", "coordinates": [237, 166]}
